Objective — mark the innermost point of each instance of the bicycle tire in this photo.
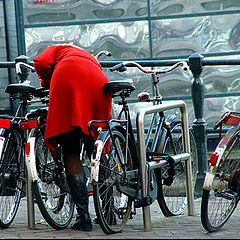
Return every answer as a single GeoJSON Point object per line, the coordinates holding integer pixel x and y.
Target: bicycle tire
{"type": "Point", "coordinates": [173, 199]}
{"type": "Point", "coordinates": [54, 203]}
{"type": "Point", "coordinates": [11, 180]}
{"type": "Point", "coordinates": [219, 203]}
{"type": "Point", "coordinates": [112, 207]}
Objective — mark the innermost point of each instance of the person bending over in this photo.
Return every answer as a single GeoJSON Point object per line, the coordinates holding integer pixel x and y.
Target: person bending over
{"type": "Point", "coordinates": [75, 80]}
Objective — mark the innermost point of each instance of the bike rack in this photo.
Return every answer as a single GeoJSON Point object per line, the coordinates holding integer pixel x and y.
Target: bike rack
{"type": "Point", "coordinates": [184, 156]}
{"type": "Point", "coordinates": [141, 143]}
{"type": "Point", "coordinates": [30, 205]}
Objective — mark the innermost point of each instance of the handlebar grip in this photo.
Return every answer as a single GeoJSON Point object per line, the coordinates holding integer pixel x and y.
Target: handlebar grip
{"type": "Point", "coordinates": [108, 54]}
{"type": "Point", "coordinates": [119, 67]}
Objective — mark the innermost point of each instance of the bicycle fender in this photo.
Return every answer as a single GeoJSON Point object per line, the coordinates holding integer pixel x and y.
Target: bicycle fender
{"type": "Point", "coordinates": [30, 159]}
{"type": "Point", "coordinates": [216, 157]}
{"type": "Point", "coordinates": [2, 140]}
{"type": "Point", "coordinates": [95, 161]}
{"type": "Point", "coordinates": [4, 131]}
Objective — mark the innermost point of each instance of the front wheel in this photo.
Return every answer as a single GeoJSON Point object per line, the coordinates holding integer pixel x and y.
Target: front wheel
{"type": "Point", "coordinates": [173, 199]}
{"type": "Point", "coordinates": [219, 203]}
{"type": "Point", "coordinates": [112, 207]}
{"type": "Point", "coordinates": [54, 202]}
{"type": "Point", "coordinates": [11, 178]}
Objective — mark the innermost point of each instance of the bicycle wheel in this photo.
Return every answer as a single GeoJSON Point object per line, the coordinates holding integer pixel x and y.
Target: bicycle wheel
{"type": "Point", "coordinates": [11, 178]}
{"type": "Point", "coordinates": [219, 203]}
{"type": "Point", "coordinates": [54, 202]}
{"type": "Point", "coordinates": [173, 199]}
{"type": "Point", "coordinates": [112, 207]}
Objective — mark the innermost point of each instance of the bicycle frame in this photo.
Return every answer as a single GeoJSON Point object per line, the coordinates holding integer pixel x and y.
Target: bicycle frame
{"type": "Point", "coordinates": [159, 133]}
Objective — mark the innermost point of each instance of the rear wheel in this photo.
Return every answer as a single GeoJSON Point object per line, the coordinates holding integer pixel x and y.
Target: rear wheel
{"type": "Point", "coordinates": [11, 178]}
{"type": "Point", "coordinates": [219, 203]}
{"type": "Point", "coordinates": [54, 202]}
{"type": "Point", "coordinates": [112, 207]}
{"type": "Point", "coordinates": [173, 199]}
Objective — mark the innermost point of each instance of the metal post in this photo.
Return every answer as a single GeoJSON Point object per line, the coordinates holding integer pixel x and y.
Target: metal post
{"type": "Point", "coordinates": [30, 205]}
{"type": "Point", "coordinates": [20, 26]}
{"type": "Point", "coordinates": [199, 124]}
{"type": "Point", "coordinates": [142, 153]}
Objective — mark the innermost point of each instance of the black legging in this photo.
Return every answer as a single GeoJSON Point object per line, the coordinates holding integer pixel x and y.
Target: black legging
{"type": "Point", "coordinates": [71, 143]}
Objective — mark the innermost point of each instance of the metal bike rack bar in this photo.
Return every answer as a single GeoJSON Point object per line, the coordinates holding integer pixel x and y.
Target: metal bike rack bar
{"type": "Point", "coordinates": [185, 156]}
{"type": "Point", "coordinates": [30, 205]}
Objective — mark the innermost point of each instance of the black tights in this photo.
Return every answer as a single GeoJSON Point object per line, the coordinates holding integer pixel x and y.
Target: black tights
{"type": "Point", "coordinates": [71, 143]}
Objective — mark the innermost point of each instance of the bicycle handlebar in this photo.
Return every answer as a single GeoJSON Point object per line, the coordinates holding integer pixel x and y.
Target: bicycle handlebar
{"type": "Point", "coordinates": [18, 67]}
{"type": "Point", "coordinates": [98, 55]}
{"type": "Point", "coordinates": [121, 67]}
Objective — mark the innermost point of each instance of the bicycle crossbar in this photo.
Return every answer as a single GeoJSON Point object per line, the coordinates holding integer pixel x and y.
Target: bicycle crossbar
{"type": "Point", "coordinates": [185, 156]}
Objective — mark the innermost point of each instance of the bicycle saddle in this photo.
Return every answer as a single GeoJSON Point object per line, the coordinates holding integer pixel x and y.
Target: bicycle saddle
{"type": "Point", "coordinates": [20, 88]}
{"type": "Point", "coordinates": [116, 86]}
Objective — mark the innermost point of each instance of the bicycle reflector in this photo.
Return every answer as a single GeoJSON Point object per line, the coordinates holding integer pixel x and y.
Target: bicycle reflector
{"type": "Point", "coordinates": [213, 159]}
{"type": "Point", "coordinates": [27, 148]}
{"type": "Point", "coordinates": [29, 124]}
{"type": "Point", "coordinates": [5, 123]}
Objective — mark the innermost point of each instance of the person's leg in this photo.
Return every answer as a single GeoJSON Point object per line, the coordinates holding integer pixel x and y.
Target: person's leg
{"type": "Point", "coordinates": [76, 179]}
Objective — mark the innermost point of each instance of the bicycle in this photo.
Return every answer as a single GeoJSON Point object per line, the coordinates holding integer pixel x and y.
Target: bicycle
{"type": "Point", "coordinates": [221, 188]}
{"type": "Point", "coordinates": [46, 175]}
{"type": "Point", "coordinates": [22, 148]}
{"type": "Point", "coordinates": [115, 160]}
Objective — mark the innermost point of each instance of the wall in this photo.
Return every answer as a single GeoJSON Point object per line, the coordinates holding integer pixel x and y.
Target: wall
{"type": "Point", "coordinates": [147, 29]}
{"type": "Point", "coordinates": [141, 30]}
{"type": "Point", "coordinates": [8, 50]}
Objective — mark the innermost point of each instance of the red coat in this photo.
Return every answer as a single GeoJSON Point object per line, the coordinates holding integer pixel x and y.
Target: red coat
{"type": "Point", "coordinates": [76, 93]}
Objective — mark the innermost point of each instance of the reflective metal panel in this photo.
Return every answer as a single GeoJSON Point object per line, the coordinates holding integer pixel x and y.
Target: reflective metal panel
{"type": "Point", "coordinates": [184, 36]}
{"type": "Point", "coordinates": [38, 11]}
{"type": "Point", "coordinates": [123, 40]}
{"type": "Point", "coordinates": [176, 7]}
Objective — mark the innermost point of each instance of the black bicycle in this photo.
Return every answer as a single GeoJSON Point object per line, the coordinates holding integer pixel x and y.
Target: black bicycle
{"type": "Point", "coordinates": [24, 153]}
{"type": "Point", "coordinates": [115, 161]}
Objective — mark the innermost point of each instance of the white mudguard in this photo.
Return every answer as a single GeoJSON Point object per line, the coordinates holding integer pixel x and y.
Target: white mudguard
{"type": "Point", "coordinates": [2, 140]}
{"type": "Point", "coordinates": [31, 159]}
{"type": "Point", "coordinates": [208, 181]}
{"type": "Point", "coordinates": [95, 161]}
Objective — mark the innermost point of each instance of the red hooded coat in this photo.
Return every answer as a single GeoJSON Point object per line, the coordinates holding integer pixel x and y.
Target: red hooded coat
{"type": "Point", "coordinates": [76, 94]}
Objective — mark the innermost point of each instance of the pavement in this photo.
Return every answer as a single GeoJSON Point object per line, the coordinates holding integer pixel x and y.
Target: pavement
{"type": "Point", "coordinates": [180, 227]}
